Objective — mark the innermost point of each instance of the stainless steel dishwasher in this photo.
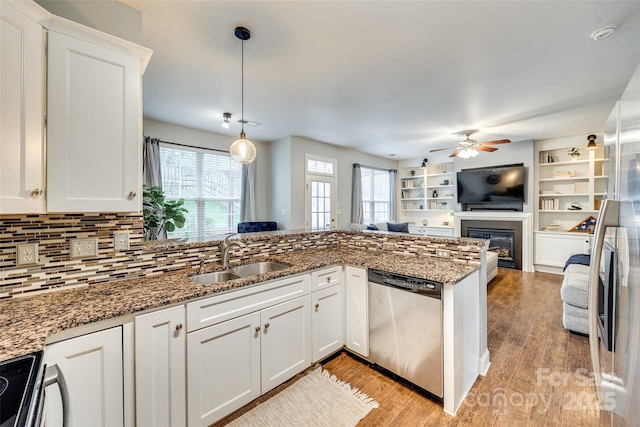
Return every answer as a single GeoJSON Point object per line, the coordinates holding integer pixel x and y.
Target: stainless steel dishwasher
{"type": "Point", "coordinates": [405, 328]}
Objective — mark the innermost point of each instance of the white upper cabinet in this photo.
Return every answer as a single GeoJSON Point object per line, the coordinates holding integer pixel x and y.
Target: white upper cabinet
{"type": "Point", "coordinates": [21, 113]}
{"type": "Point", "coordinates": [93, 134]}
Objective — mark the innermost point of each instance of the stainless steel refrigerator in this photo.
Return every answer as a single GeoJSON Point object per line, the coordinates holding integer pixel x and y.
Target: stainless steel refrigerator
{"type": "Point", "coordinates": [614, 282]}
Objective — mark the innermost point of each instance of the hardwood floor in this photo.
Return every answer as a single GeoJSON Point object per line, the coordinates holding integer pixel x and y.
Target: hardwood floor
{"type": "Point", "coordinates": [540, 374]}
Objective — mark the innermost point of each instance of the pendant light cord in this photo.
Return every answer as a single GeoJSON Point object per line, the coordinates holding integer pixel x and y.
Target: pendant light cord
{"type": "Point", "coordinates": [242, 89]}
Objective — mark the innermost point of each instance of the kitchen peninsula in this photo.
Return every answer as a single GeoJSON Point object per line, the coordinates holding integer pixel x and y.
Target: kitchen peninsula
{"type": "Point", "coordinates": [29, 323]}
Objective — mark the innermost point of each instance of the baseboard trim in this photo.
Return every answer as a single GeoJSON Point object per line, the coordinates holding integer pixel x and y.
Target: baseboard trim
{"type": "Point", "coordinates": [484, 363]}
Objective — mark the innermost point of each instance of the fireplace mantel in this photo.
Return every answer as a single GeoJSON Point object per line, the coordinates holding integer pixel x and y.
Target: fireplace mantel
{"type": "Point", "coordinates": [527, 229]}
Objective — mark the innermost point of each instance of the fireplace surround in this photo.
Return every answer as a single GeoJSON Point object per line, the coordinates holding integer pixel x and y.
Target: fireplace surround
{"type": "Point", "coordinates": [493, 219]}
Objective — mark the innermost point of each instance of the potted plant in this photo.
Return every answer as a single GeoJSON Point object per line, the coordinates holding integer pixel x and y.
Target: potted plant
{"type": "Point", "coordinates": [574, 153]}
{"type": "Point", "coordinates": [160, 214]}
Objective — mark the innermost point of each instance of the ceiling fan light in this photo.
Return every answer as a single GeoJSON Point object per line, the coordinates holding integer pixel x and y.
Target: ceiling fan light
{"type": "Point", "coordinates": [242, 150]}
{"type": "Point", "coordinates": [468, 152]}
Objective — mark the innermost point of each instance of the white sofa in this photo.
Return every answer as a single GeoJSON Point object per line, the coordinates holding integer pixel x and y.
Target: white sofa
{"type": "Point", "coordinates": [492, 265]}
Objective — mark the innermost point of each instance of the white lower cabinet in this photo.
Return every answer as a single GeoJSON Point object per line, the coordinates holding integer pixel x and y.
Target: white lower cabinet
{"type": "Point", "coordinates": [327, 321]}
{"type": "Point", "coordinates": [93, 372]}
{"type": "Point", "coordinates": [160, 339]}
{"type": "Point", "coordinates": [224, 368]}
{"type": "Point", "coordinates": [286, 341]}
{"type": "Point", "coordinates": [356, 310]}
{"type": "Point", "coordinates": [231, 363]}
{"type": "Point", "coordinates": [553, 249]}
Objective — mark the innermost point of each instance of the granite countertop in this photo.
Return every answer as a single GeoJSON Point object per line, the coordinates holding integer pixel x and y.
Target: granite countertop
{"type": "Point", "coordinates": [25, 323]}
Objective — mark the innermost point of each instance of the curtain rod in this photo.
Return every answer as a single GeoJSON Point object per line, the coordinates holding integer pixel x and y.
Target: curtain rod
{"type": "Point", "coordinates": [376, 168]}
{"type": "Point", "coordinates": [192, 146]}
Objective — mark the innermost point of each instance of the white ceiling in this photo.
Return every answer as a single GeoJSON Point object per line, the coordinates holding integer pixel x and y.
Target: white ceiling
{"type": "Point", "coordinates": [389, 77]}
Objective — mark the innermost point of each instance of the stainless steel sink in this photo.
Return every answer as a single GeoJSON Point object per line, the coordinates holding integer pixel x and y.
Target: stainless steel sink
{"type": "Point", "coordinates": [257, 268]}
{"type": "Point", "coordinates": [215, 277]}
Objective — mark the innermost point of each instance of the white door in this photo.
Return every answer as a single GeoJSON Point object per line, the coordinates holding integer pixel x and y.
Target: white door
{"type": "Point", "coordinates": [327, 321]}
{"type": "Point", "coordinates": [223, 368]}
{"type": "Point", "coordinates": [321, 202]}
{"type": "Point", "coordinates": [93, 132]}
{"type": "Point", "coordinates": [357, 310]}
{"type": "Point", "coordinates": [92, 369]}
{"type": "Point", "coordinates": [22, 113]}
{"type": "Point", "coordinates": [286, 341]}
{"type": "Point", "coordinates": [160, 368]}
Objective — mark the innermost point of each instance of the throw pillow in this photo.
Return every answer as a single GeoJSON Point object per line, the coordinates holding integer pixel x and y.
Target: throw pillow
{"type": "Point", "coordinates": [402, 227]}
{"type": "Point", "coordinates": [372, 227]}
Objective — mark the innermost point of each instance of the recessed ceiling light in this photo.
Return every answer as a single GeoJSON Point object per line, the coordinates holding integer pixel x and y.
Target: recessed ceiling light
{"type": "Point", "coordinates": [603, 32]}
{"type": "Point", "coordinates": [392, 155]}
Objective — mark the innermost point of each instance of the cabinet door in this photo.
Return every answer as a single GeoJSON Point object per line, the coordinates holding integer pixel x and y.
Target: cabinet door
{"type": "Point", "coordinates": [554, 249]}
{"type": "Point", "coordinates": [357, 310]}
{"type": "Point", "coordinates": [92, 369]}
{"type": "Point", "coordinates": [224, 368]}
{"type": "Point", "coordinates": [160, 368]}
{"type": "Point", "coordinates": [327, 321]}
{"type": "Point", "coordinates": [93, 141]}
{"type": "Point", "coordinates": [22, 117]}
{"type": "Point", "coordinates": [286, 341]}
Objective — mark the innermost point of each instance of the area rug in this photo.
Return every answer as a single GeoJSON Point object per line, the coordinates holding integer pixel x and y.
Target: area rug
{"type": "Point", "coordinates": [317, 399]}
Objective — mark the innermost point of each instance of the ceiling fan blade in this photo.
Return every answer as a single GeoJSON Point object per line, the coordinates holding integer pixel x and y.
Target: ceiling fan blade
{"type": "Point", "coordinates": [483, 148]}
{"type": "Point", "coordinates": [442, 149]}
{"type": "Point", "coordinates": [454, 154]}
{"type": "Point", "coordinates": [499, 141]}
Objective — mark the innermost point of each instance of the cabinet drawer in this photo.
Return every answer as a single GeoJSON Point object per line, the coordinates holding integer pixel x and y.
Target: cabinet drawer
{"type": "Point", "coordinates": [228, 305]}
{"type": "Point", "coordinates": [442, 232]}
{"type": "Point", "coordinates": [326, 277]}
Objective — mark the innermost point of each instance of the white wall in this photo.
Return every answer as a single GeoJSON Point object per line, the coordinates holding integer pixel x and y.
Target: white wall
{"type": "Point", "coordinates": [280, 183]}
{"type": "Point", "coordinates": [198, 138]}
{"type": "Point", "coordinates": [110, 16]}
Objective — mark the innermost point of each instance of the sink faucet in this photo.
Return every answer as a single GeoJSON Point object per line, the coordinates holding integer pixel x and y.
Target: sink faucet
{"type": "Point", "coordinates": [225, 246]}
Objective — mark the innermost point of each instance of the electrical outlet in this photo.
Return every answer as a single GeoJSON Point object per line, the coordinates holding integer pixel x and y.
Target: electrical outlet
{"type": "Point", "coordinates": [357, 242]}
{"type": "Point", "coordinates": [83, 248]}
{"type": "Point", "coordinates": [297, 246]}
{"type": "Point", "coordinates": [27, 253]}
{"type": "Point", "coordinates": [388, 246]}
{"type": "Point", "coordinates": [121, 240]}
{"type": "Point", "coordinates": [442, 253]}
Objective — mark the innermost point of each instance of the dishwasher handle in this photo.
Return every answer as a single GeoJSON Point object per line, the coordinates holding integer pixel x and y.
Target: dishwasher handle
{"type": "Point", "coordinates": [53, 375]}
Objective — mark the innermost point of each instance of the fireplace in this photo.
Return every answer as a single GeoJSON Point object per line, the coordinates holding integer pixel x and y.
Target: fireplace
{"type": "Point", "coordinates": [502, 242]}
{"type": "Point", "coordinates": [505, 238]}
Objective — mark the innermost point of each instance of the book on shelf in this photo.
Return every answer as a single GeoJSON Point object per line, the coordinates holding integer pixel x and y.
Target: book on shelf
{"type": "Point", "coordinates": [550, 204]}
{"type": "Point", "coordinates": [579, 187]}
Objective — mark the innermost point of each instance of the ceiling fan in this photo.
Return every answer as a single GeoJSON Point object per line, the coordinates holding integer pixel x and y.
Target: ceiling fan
{"type": "Point", "coordinates": [470, 147]}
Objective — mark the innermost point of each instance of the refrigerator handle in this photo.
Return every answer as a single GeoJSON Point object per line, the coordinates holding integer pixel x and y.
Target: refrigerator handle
{"type": "Point", "coordinates": [609, 216]}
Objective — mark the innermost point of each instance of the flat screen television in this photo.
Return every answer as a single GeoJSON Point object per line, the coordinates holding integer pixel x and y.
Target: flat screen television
{"type": "Point", "coordinates": [497, 185]}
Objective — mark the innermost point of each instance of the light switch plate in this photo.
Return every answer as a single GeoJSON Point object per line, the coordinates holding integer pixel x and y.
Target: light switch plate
{"type": "Point", "coordinates": [121, 240]}
{"type": "Point", "coordinates": [27, 254]}
{"type": "Point", "coordinates": [83, 248]}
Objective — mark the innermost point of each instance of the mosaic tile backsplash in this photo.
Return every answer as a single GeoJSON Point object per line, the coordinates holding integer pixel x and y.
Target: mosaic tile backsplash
{"type": "Point", "coordinates": [56, 270]}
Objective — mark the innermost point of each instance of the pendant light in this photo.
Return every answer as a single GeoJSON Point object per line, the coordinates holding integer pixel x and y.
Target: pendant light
{"type": "Point", "coordinates": [242, 150]}
{"type": "Point", "coordinates": [592, 142]}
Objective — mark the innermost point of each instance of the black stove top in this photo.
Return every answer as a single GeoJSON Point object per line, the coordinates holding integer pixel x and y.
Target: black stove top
{"type": "Point", "coordinates": [18, 379]}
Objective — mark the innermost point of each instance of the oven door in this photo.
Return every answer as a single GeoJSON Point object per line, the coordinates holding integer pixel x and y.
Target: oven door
{"type": "Point", "coordinates": [21, 391]}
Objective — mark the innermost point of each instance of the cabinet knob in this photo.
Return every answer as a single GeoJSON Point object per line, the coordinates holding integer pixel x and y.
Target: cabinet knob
{"type": "Point", "coordinates": [37, 193]}
{"type": "Point", "coordinates": [131, 195]}
{"type": "Point", "coordinates": [257, 328]}
{"type": "Point", "coordinates": [317, 306]}
{"type": "Point", "coordinates": [266, 325]}
{"type": "Point", "coordinates": [328, 279]}
{"type": "Point", "coordinates": [179, 327]}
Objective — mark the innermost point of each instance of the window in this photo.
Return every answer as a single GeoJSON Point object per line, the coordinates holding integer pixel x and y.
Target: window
{"type": "Point", "coordinates": [376, 195]}
{"type": "Point", "coordinates": [210, 184]}
{"type": "Point", "coordinates": [321, 197]}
